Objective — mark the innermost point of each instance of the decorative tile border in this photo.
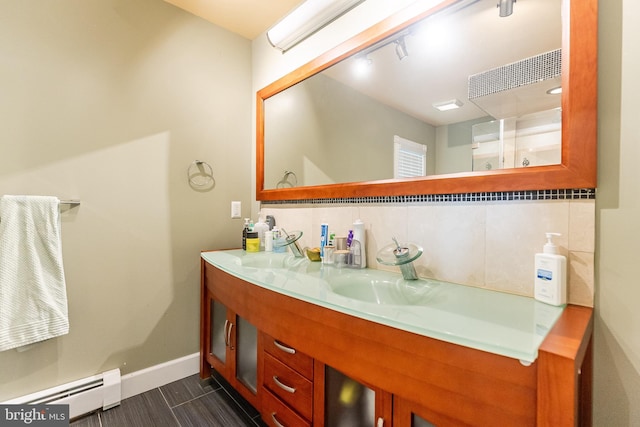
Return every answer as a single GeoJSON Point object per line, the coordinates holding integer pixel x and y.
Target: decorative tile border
{"type": "Point", "coordinates": [568, 194]}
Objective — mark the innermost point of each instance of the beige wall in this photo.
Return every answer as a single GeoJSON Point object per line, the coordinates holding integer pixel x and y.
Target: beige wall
{"type": "Point", "coordinates": [110, 101]}
{"type": "Point", "coordinates": [334, 127]}
{"type": "Point", "coordinates": [617, 359]}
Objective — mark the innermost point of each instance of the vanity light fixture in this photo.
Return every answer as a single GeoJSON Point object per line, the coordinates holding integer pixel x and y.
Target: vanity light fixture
{"type": "Point", "coordinates": [555, 91]}
{"type": "Point", "coordinates": [506, 7]}
{"type": "Point", "coordinates": [306, 19]}
{"type": "Point", "coordinates": [448, 105]}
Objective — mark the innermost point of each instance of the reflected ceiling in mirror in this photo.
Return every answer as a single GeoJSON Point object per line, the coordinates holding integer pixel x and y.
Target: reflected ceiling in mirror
{"type": "Point", "coordinates": [332, 132]}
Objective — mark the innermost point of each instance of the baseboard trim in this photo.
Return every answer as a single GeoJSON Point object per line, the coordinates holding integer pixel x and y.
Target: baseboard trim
{"type": "Point", "coordinates": [156, 376]}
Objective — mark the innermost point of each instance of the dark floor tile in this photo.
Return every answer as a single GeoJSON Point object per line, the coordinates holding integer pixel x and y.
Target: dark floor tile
{"type": "Point", "coordinates": [186, 389]}
{"type": "Point", "coordinates": [237, 397]}
{"type": "Point", "coordinates": [258, 421]}
{"type": "Point", "coordinates": [90, 420]}
{"type": "Point", "coordinates": [215, 409]}
{"type": "Point", "coordinates": [144, 410]}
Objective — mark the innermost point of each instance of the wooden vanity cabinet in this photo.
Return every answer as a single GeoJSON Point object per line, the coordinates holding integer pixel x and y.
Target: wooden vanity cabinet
{"type": "Point", "coordinates": [420, 380]}
{"type": "Point", "coordinates": [287, 381]}
{"type": "Point", "coordinates": [229, 344]}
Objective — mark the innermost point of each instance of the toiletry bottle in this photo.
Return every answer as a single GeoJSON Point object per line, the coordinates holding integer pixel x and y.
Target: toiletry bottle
{"type": "Point", "coordinates": [268, 241]}
{"type": "Point", "coordinates": [277, 243]}
{"type": "Point", "coordinates": [260, 227]}
{"type": "Point", "coordinates": [271, 222]}
{"type": "Point", "coordinates": [324, 237]}
{"type": "Point", "coordinates": [550, 284]}
{"type": "Point", "coordinates": [253, 242]}
{"type": "Point", "coordinates": [245, 230]}
{"type": "Point", "coordinates": [359, 235]}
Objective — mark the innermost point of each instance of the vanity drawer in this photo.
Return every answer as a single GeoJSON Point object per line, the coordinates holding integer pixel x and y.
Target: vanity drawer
{"type": "Point", "coordinates": [277, 414]}
{"type": "Point", "coordinates": [291, 387]}
{"type": "Point", "coordinates": [302, 363]}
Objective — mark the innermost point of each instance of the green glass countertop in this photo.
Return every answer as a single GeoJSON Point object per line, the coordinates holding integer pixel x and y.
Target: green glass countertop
{"type": "Point", "coordinates": [496, 322]}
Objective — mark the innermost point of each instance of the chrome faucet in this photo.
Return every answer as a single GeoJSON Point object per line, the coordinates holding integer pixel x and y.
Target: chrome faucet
{"type": "Point", "coordinates": [406, 266]}
{"type": "Point", "coordinates": [292, 242]}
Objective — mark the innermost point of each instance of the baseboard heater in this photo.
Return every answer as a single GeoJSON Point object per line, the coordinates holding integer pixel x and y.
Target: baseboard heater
{"type": "Point", "coordinates": [82, 396]}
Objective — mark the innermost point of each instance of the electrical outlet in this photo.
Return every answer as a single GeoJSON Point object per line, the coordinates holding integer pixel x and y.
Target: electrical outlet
{"type": "Point", "coordinates": [236, 209]}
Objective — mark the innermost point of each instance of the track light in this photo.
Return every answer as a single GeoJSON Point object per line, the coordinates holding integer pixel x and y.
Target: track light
{"type": "Point", "coordinates": [401, 48]}
{"type": "Point", "coordinates": [506, 7]}
{"type": "Point", "coordinates": [306, 19]}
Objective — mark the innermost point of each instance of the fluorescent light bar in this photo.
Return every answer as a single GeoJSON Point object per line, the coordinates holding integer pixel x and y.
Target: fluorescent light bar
{"type": "Point", "coordinates": [448, 105]}
{"type": "Point", "coordinates": [306, 19]}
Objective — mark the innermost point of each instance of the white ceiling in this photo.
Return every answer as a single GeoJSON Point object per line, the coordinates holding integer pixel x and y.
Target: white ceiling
{"type": "Point", "coordinates": [248, 18]}
{"type": "Point", "coordinates": [445, 50]}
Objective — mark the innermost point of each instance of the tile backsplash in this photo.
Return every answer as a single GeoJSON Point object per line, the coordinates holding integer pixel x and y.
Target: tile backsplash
{"type": "Point", "coordinates": [488, 244]}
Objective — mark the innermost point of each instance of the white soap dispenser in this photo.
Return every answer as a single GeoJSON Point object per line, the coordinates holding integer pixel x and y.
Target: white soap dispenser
{"type": "Point", "coordinates": [550, 284]}
{"type": "Point", "coordinates": [261, 226]}
{"type": "Point", "coordinates": [359, 236]}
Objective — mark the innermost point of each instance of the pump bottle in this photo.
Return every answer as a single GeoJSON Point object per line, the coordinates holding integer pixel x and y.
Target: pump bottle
{"type": "Point", "coordinates": [245, 230]}
{"type": "Point", "coordinates": [359, 236]}
{"type": "Point", "coordinates": [550, 280]}
{"type": "Point", "coordinates": [261, 227]}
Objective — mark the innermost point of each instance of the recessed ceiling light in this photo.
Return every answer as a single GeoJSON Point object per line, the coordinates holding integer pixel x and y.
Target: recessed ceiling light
{"type": "Point", "coordinates": [448, 105]}
{"type": "Point", "coordinates": [555, 90]}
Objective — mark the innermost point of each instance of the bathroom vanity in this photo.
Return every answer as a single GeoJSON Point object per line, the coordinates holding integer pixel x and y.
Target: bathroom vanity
{"type": "Point", "coordinates": [308, 344]}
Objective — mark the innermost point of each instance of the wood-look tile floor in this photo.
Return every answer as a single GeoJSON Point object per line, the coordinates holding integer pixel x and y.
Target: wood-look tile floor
{"type": "Point", "coordinates": [183, 403]}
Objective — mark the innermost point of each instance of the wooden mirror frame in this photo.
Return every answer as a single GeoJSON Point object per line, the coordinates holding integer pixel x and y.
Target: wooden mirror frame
{"type": "Point", "coordinates": [579, 119]}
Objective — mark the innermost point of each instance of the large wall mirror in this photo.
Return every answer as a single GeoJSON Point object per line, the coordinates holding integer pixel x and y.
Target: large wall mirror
{"type": "Point", "coordinates": [441, 99]}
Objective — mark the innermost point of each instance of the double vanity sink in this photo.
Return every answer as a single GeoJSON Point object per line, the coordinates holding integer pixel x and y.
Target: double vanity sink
{"type": "Point", "coordinates": [500, 323]}
{"type": "Point", "coordinates": [452, 354]}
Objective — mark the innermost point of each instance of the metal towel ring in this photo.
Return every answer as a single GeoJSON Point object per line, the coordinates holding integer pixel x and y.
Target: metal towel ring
{"type": "Point", "coordinates": [200, 174]}
{"type": "Point", "coordinates": [284, 182]}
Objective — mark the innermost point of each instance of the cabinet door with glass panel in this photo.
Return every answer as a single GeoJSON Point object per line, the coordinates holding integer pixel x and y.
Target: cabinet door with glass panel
{"type": "Point", "coordinates": [233, 348]}
{"type": "Point", "coordinates": [343, 401]}
{"type": "Point", "coordinates": [409, 414]}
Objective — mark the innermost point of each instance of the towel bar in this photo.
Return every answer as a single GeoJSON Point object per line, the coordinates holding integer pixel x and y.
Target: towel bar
{"type": "Point", "coordinates": [71, 203]}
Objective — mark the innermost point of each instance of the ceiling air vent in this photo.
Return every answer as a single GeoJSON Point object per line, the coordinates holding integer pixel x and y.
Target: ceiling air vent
{"type": "Point", "coordinates": [519, 88]}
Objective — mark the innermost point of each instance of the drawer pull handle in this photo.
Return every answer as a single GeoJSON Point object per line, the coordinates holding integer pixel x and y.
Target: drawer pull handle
{"type": "Point", "coordinates": [229, 335]}
{"type": "Point", "coordinates": [380, 422]}
{"type": "Point", "coordinates": [283, 386]}
{"type": "Point", "coordinates": [284, 347]}
{"type": "Point", "coordinates": [275, 420]}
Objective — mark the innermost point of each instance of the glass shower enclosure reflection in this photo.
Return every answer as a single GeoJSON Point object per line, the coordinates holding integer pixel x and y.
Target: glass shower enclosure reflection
{"type": "Point", "coordinates": [517, 142]}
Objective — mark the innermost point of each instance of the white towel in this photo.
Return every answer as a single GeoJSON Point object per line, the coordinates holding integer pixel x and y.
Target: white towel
{"type": "Point", "coordinates": [33, 296]}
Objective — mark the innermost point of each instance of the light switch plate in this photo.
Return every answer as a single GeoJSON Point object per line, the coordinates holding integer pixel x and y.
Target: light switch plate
{"type": "Point", "coordinates": [236, 209]}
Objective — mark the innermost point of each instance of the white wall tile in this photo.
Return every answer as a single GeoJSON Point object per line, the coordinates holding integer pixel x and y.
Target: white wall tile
{"type": "Point", "coordinates": [582, 225]}
{"type": "Point", "coordinates": [453, 238]}
{"type": "Point", "coordinates": [581, 275]}
{"type": "Point", "coordinates": [515, 233]}
{"type": "Point", "coordinates": [488, 245]}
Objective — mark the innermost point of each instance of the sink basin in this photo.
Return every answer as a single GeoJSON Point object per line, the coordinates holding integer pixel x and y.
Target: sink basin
{"type": "Point", "coordinates": [390, 290]}
{"type": "Point", "coordinates": [267, 260]}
